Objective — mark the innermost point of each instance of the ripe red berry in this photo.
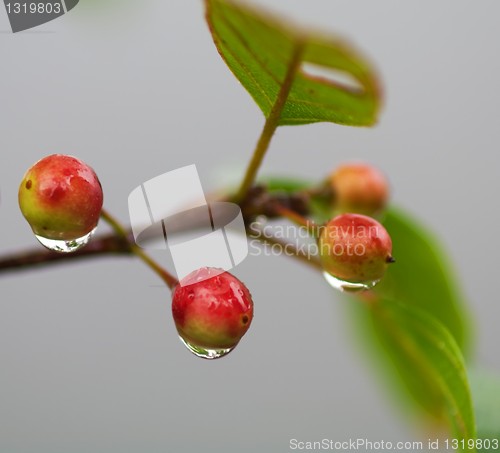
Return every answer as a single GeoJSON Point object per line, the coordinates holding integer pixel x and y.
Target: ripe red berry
{"type": "Point", "coordinates": [61, 198]}
{"type": "Point", "coordinates": [359, 188]}
{"type": "Point", "coordinates": [212, 311]}
{"type": "Point", "coordinates": [355, 249]}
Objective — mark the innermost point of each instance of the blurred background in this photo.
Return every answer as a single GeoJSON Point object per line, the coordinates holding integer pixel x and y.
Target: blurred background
{"type": "Point", "coordinates": [90, 360]}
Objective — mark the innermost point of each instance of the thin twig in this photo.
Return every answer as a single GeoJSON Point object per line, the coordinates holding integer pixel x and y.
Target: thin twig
{"type": "Point", "coordinates": [298, 219]}
{"type": "Point", "coordinates": [121, 232]}
{"type": "Point", "coordinates": [289, 248]}
{"type": "Point", "coordinates": [121, 242]}
{"type": "Point", "coordinates": [270, 126]}
{"type": "Point", "coordinates": [100, 246]}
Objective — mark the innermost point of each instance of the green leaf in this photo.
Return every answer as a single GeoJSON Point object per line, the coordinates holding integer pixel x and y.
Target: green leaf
{"type": "Point", "coordinates": [486, 395]}
{"type": "Point", "coordinates": [429, 360]}
{"type": "Point", "coordinates": [420, 281]}
{"type": "Point", "coordinates": [284, 184]}
{"type": "Point", "coordinates": [259, 50]}
{"type": "Point", "coordinates": [421, 276]}
{"type": "Point", "coordinates": [423, 332]}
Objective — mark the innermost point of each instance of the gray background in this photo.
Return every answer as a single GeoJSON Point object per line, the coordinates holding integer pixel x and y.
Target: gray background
{"type": "Point", "coordinates": [88, 352]}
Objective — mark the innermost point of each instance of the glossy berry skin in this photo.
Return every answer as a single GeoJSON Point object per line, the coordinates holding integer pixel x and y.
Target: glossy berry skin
{"type": "Point", "coordinates": [355, 248]}
{"type": "Point", "coordinates": [61, 198]}
{"type": "Point", "coordinates": [359, 188]}
{"type": "Point", "coordinates": [212, 312]}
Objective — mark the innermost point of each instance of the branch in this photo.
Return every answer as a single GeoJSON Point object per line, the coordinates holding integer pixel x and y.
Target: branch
{"type": "Point", "coordinates": [121, 241]}
{"type": "Point", "coordinates": [99, 246]}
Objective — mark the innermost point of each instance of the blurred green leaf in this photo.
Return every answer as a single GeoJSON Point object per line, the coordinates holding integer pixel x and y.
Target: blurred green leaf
{"type": "Point", "coordinates": [486, 395]}
{"type": "Point", "coordinates": [421, 276]}
{"type": "Point", "coordinates": [321, 210]}
{"type": "Point", "coordinates": [283, 184]}
{"type": "Point", "coordinates": [429, 360]}
{"type": "Point", "coordinates": [423, 332]}
{"type": "Point", "coordinates": [258, 49]}
{"type": "Point", "coordinates": [420, 280]}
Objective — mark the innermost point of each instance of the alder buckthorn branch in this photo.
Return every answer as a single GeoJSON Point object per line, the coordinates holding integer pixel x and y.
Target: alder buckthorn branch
{"type": "Point", "coordinates": [60, 196]}
{"type": "Point", "coordinates": [294, 206]}
{"type": "Point", "coordinates": [99, 246]}
{"type": "Point", "coordinates": [262, 202]}
{"type": "Point", "coordinates": [121, 241]}
{"type": "Point", "coordinates": [308, 224]}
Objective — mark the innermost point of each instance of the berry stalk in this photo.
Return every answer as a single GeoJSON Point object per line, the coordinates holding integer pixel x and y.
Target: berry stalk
{"type": "Point", "coordinates": [121, 232]}
{"type": "Point", "coordinates": [298, 219]}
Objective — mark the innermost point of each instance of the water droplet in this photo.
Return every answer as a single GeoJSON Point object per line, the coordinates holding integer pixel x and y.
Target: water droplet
{"type": "Point", "coordinates": [63, 246]}
{"type": "Point", "coordinates": [345, 286]}
{"type": "Point", "coordinates": [205, 353]}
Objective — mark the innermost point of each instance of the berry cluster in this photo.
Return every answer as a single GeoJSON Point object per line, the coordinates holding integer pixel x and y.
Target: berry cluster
{"type": "Point", "coordinates": [355, 249]}
{"type": "Point", "coordinates": [61, 198]}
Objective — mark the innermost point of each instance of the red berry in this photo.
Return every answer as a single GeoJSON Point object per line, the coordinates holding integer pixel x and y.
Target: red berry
{"type": "Point", "coordinates": [359, 188]}
{"type": "Point", "coordinates": [355, 248]}
{"type": "Point", "coordinates": [61, 198]}
{"type": "Point", "coordinates": [212, 311]}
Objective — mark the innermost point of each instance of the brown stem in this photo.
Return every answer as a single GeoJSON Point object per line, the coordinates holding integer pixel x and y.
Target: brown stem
{"type": "Point", "coordinates": [121, 242]}
{"type": "Point", "coordinates": [98, 246]}
{"type": "Point", "coordinates": [298, 219]}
